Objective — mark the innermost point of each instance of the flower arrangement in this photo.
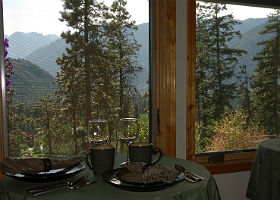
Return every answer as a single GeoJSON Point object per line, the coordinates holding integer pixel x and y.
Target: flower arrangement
{"type": "Point", "coordinates": [8, 64]}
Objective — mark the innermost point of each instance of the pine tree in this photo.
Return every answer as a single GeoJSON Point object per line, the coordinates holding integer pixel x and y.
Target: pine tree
{"type": "Point", "coordinates": [224, 59]}
{"type": "Point", "coordinates": [44, 122]}
{"type": "Point", "coordinates": [203, 85]}
{"type": "Point", "coordinates": [70, 87]}
{"type": "Point", "coordinates": [123, 48]}
{"type": "Point", "coordinates": [84, 18]}
{"type": "Point", "coordinates": [265, 80]}
{"type": "Point", "coordinates": [244, 93]}
{"type": "Point", "coordinates": [215, 65]}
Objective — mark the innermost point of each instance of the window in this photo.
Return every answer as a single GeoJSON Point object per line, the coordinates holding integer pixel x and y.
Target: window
{"type": "Point", "coordinates": [230, 112]}
{"type": "Point", "coordinates": [80, 62]}
{"type": "Point", "coordinates": [231, 97]}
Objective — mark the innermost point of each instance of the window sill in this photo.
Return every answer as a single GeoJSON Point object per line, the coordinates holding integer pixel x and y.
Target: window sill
{"type": "Point", "coordinates": [232, 163]}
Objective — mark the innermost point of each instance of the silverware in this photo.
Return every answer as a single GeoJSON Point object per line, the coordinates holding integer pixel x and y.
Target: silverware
{"type": "Point", "coordinates": [74, 187]}
{"type": "Point", "coordinates": [54, 185]}
{"type": "Point", "coordinates": [189, 174]}
{"type": "Point", "coordinates": [83, 181]}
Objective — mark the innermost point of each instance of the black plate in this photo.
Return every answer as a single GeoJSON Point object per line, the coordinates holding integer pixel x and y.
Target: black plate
{"type": "Point", "coordinates": [49, 176]}
{"type": "Point", "coordinates": [112, 178]}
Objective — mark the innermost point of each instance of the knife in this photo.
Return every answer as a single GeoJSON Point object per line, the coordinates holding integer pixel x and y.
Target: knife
{"type": "Point", "coordinates": [189, 174]}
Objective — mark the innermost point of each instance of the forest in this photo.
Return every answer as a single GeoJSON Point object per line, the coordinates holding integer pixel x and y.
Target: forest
{"type": "Point", "coordinates": [95, 81]}
{"type": "Point", "coordinates": [234, 109]}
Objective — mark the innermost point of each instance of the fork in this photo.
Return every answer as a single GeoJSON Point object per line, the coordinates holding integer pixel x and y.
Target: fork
{"type": "Point", "coordinates": [82, 181]}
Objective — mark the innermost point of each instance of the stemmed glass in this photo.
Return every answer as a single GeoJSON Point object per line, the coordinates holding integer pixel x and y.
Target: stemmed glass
{"type": "Point", "coordinates": [98, 132]}
{"type": "Point", "coordinates": [129, 131]}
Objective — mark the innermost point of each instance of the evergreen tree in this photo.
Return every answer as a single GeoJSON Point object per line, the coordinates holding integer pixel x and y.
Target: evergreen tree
{"type": "Point", "coordinates": [44, 122]}
{"type": "Point", "coordinates": [204, 107]}
{"type": "Point", "coordinates": [215, 64]}
{"type": "Point", "coordinates": [83, 17]}
{"type": "Point", "coordinates": [224, 59]}
{"type": "Point", "coordinates": [266, 77]}
{"type": "Point", "coordinates": [123, 48]}
{"type": "Point", "coordinates": [70, 88]}
{"type": "Point", "coordinates": [244, 93]}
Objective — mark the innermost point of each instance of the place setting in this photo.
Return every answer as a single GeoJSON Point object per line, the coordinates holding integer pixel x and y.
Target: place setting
{"type": "Point", "coordinates": [141, 171]}
{"type": "Point", "coordinates": [48, 174]}
{"type": "Point", "coordinates": [39, 170]}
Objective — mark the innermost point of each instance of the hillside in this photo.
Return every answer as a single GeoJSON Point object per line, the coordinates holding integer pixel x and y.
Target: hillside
{"type": "Point", "coordinates": [44, 50]}
{"type": "Point", "coordinates": [30, 82]}
{"type": "Point", "coordinates": [46, 56]}
{"type": "Point", "coordinates": [23, 44]}
{"type": "Point", "coordinates": [249, 24]}
{"type": "Point", "coordinates": [142, 36]}
{"type": "Point", "coordinates": [248, 42]}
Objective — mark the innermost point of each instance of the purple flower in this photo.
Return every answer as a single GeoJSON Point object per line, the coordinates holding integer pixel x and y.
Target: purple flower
{"type": "Point", "coordinates": [8, 65]}
{"type": "Point", "coordinates": [6, 42]}
{"type": "Point", "coordinates": [8, 83]}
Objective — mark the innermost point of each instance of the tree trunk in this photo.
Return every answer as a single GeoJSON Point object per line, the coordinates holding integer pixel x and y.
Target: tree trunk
{"type": "Point", "coordinates": [87, 88]}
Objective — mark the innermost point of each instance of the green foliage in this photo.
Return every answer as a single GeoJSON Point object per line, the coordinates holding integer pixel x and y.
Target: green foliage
{"type": "Point", "coordinates": [81, 131]}
{"type": "Point", "coordinates": [234, 112]}
{"type": "Point", "coordinates": [144, 128]}
{"type": "Point", "coordinates": [244, 93]}
{"type": "Point", "coordinates": [95, 81]}
{"type": "Point", "coordinates": [232, 133]}
{"type": "Point", "coordinates": [266, 78]}
{"type": "Point", "coordinates": [215, 63]}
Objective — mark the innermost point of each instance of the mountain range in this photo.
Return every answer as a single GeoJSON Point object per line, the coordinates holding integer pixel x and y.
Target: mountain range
{"type": "Point", "coordinates": [42, 50]}
{"type": "Point", "coordinates": [30, 82]}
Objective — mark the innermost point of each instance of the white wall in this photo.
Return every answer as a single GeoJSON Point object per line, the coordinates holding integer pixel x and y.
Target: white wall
{"type": "Point", "coordinates": [231, 186]}
{"type": "Point", "coordinates": [181, 57]}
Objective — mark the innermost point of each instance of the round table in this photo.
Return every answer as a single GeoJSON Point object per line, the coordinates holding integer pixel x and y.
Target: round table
{"type": "Point", "coordinates": [264, 182]}
{"type": "Point", "coordinates": [11, 189]}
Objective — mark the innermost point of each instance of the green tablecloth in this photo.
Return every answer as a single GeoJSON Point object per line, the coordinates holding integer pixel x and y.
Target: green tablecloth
{"type": "Point", "coordinates": [264, 182]}
{"type": "Point", "coordinates": [11, 189]}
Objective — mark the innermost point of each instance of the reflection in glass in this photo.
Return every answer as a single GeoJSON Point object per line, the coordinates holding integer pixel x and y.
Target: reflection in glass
{"type": "Point", "coordinates": [98, 134]}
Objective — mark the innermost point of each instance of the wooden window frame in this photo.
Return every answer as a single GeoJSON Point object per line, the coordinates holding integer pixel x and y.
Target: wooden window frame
{"type": "Point", "coordinates": [165, 58]}
{"type": "Point", "coordinates": [233, 162]}
{"type": "Point", "coordinates": [166, 90]}
{"type": "Point", "coordinates": [3, 88]}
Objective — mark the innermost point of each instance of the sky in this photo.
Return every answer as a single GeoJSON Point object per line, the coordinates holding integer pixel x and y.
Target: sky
{"type": "Point", "coordinates": [42, 16]}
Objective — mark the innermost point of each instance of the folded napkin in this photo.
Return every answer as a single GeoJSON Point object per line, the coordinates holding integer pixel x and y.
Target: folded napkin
{"type": "Point", "coordinates": [36, 165]}
{"type": "Point", "coordinates": [154, 173]}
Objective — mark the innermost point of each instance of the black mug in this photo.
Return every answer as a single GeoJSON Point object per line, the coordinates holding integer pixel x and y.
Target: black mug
{"type": "Point", "coordinates": [100, 159]}
{"type": "Point", "coordinates": [143, 152]}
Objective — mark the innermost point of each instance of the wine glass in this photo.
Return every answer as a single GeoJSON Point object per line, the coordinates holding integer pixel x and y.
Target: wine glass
{"type": "Point", "coordinates": [129, 131]}
{"type": "Point", "coordinates": [98, 132]}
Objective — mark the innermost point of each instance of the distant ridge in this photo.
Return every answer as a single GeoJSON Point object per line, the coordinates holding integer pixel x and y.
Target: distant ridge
{"type": "Point", "coordinates": [46, 56]}
{"type": "Point", "coordinates": [43, 50]}
{"type": "Point", "coordinates": [23, 44]}
{"type": "Point", "coordinates": [30, 82]}
{"type": "Point", "coordinates": [248, 24]}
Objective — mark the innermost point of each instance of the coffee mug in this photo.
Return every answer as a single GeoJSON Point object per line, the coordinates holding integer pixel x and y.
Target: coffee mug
{"type": "Point", "coordinates": [143, 152]}
{"type": "Point", "coordinates": [100, 159]}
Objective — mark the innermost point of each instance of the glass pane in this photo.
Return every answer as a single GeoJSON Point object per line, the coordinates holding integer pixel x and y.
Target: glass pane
{"type": "Point", "coordinates": [71, 62]}
{"type": "Point", "coordinates": [237, 76]}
